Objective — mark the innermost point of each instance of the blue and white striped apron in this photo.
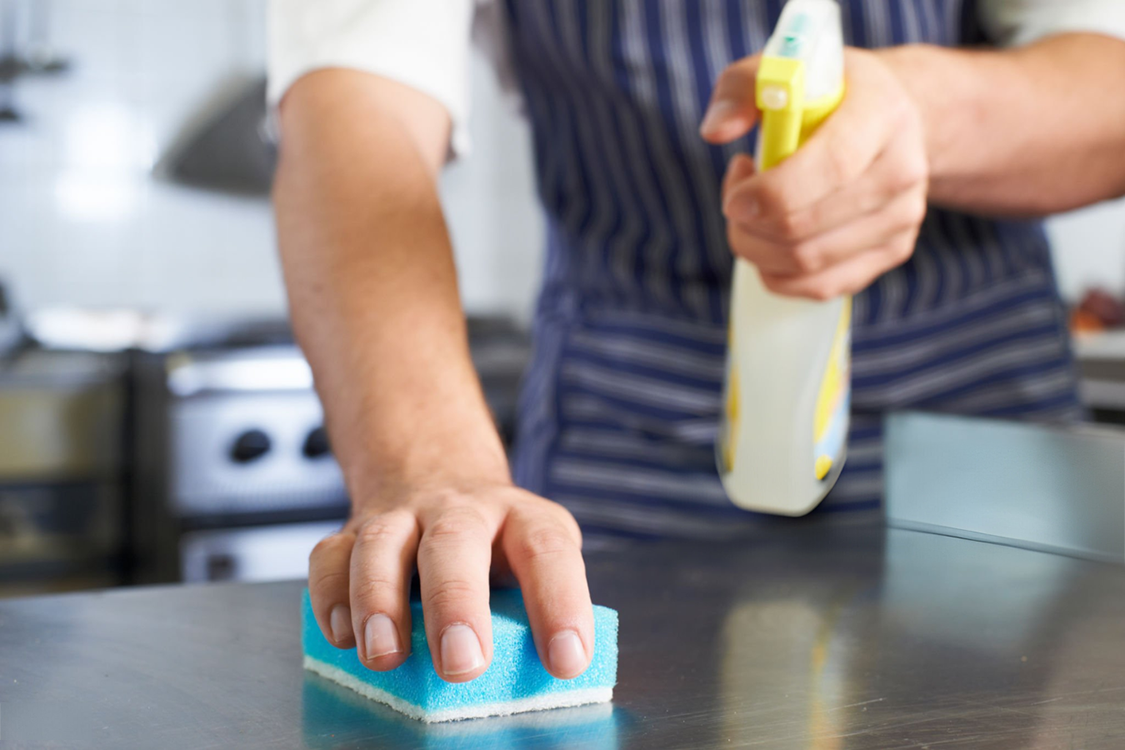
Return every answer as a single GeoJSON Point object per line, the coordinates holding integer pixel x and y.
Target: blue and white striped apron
{"type": "Point", "coordinates": [620, 406]}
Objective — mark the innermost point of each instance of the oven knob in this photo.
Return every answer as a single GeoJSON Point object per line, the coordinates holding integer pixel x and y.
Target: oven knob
{"type": "Point", "coordinates": [250, 446]}
{"type": "Point", "coordinates": [316, 444]}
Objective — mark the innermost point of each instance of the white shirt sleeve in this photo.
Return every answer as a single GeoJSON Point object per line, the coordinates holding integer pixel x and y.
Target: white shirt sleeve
{"type": "Point", "coordinates": [424, 44]}
{"type": "Point", "coordinates": [1016, 22]}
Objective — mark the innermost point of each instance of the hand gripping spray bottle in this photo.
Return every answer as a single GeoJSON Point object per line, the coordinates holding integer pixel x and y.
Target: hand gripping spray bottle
{"type": "Point", "coordinates": [783, 438]}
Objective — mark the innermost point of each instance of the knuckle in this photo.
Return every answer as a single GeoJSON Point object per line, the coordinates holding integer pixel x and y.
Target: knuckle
{"type": "Point", "coordinates": [904, 250]}
{"type": "Point", "coordinates": [911, 171]}
{"type": "Point", "coordinates": [912, 213]}
{"type": "Point", "coordinates": [917, 168]}
{"type": "Point", "coordinates": [773, 198]}
{"type": "Point", "coordinates": [385, 529]}
{"type": "Point", "coordinates": [794, 225]}
{"type": "Point", "coordinates": [327, 581]}
{"type": "Point", "coordinates": [807, 257]}
{"type": "Point", "coordinates": [901, 179]}
{"type": "Point", "coordinates": [747, 247]}
{"type": "Point", "coordinates": [772, 283]}
{"type": "Point", "coordinates": [451, 592]}
{"type": "Point", "coordinates": [373, 588]}
{"type": "Point", "coordinates": [328, 544]}
{"type": "Point", "coordinates": [919, 208]}
{"type": "Point", "coordinates": [882, 194]}
{"type": "Point", "coordinates": [453, 522]}
{"type": "Point", "coordinates": [451, 504]}
{"type": "Point", "coordinates": [822, 292]}
{"type": "Point", "coordinates": [741, 166]}
{"type": "Point", "coordinates": [375, 534]}
{"type": "Point", "coordinates": [544, 542]}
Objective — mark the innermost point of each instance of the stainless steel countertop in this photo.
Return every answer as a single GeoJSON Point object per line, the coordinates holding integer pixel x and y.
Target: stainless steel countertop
{"type": "Point", "coordinates": [808, 636]}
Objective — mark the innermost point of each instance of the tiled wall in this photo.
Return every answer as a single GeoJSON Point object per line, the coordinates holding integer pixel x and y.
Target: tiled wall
{"type": "Point", "coordinates": [82, 221]}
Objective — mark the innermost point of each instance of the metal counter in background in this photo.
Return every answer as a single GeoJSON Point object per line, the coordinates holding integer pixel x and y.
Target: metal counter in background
{"type": "Point", "coordinates": [802, 636]}
{"type": "Point", "coordinates": [61, 470]}
{"type": "Point", "coordinates": [1055, 488]}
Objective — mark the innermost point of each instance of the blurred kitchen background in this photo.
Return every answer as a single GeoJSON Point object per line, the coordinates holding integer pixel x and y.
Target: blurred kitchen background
{"type": "Point", "coordinates": [156, 421]}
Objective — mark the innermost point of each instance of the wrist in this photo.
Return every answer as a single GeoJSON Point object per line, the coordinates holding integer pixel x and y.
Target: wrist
{"type": "Point", "coordinates": [955, 92]}
{"type": "Point", "coordinates": [432, 465]}
{"type": "Point", "coordinates": [924, 72]}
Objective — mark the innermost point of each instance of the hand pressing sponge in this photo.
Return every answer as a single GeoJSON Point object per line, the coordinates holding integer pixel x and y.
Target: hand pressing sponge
{"type": "Point", "coordinates": [514, 682]}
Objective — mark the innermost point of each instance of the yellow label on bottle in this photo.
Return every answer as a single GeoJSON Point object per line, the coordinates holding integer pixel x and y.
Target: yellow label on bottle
{"type": "Point", "coordinates": [834, 398]}
{"type": "Point", "coordinates": [732, 406]}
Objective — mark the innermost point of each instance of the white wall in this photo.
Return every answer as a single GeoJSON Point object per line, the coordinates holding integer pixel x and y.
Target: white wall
{"type": "Point", "coordinates": [491, 205]}
{"type": "Point", "coordinates": [82, 222]}
{"type": "Point", "coordinates": [1089, 248]}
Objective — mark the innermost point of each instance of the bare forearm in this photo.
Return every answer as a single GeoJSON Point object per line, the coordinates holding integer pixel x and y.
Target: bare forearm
{"type": "Point", "coordinates": [1027, 131]}
{"type": "Point", "coordinates": [373, 294]}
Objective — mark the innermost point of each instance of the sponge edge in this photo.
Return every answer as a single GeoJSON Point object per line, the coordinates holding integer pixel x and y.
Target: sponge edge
{"type": "Point", "coordinates": [515, 681]}
{"type": "Point", "coordinates": [479, 711]}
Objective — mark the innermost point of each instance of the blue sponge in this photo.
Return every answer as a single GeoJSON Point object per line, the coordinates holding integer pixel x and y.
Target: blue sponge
{"type": "Point", "coordinates": [514, 682]}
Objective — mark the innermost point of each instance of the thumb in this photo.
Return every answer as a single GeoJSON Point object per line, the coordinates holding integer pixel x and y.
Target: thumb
{"type": "Point", "coordinates": [733, 110]}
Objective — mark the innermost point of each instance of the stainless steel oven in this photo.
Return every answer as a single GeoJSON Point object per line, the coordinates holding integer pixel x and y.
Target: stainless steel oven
{"type": "Point", "coordinates": [234, 474]}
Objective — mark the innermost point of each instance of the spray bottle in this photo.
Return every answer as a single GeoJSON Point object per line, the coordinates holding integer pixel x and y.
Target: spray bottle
{"type": "Point", "coordinates": [783, 438]}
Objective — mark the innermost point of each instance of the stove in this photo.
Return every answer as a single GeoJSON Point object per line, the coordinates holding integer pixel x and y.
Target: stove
{"type": "Point", "coordinates": [234, 476]}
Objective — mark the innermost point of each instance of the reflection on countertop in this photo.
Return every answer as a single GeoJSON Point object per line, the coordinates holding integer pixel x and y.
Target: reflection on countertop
{"type": "Point", "coordinates": [802, 635]}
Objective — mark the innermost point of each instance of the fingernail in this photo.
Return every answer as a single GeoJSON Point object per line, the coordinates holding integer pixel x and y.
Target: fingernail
{"type": "Point", "coordinates": [380, 637]}
{"type": "Point", "coordinates": [566, 654]}
{"type": "Point", "coordinates": [719, 110]}
{"type": "Point", "coordinates": [460, 650]}
{"type": "Point", "coordinates": [340, 620]}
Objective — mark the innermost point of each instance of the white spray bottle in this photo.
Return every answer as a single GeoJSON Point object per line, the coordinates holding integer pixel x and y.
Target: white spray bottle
{"type": "Point", "coordinates": [783, 438]}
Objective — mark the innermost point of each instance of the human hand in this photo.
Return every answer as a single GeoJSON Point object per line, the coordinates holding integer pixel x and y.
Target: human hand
{"type": "Point", "coordinates": [847, 206]}
{"type": "Point", "coordinates": [359, 579]}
